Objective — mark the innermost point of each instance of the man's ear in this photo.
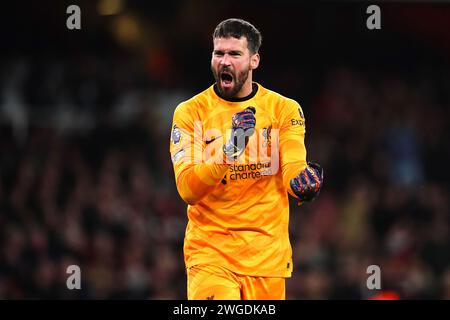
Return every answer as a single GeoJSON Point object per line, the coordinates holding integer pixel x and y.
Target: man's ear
{"type": "Point", "coordinates": [254, 61]}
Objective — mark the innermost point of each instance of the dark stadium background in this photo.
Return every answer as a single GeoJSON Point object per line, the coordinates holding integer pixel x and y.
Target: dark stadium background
{"type": "Point", "coordinates": [85, 115]}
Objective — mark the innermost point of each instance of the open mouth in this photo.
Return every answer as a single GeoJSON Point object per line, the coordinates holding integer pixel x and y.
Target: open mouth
{"type": "Point", "coordinates": [226, 79]}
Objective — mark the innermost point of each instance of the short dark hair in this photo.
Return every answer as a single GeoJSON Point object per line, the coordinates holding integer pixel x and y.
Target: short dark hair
{"type": "Point", "coordinates": [237, 28]}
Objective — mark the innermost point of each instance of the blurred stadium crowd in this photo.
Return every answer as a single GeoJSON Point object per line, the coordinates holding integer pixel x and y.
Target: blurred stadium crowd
{"type": "Point", "coordinates": [103, 197]}
{"type": "Point", "coordinates": [86, 179]}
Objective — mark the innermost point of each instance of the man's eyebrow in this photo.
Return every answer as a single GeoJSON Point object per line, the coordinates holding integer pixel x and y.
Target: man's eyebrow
{"type": "Point", "coordinates": [230, 52]}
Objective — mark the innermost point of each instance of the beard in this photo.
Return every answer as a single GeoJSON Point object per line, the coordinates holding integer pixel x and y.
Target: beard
{"type": "Point", "coordinates": [237, 81]}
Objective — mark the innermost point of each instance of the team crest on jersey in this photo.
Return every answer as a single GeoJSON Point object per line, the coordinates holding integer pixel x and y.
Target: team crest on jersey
{"type": "Point", "coordinates": [176, 135]}
{"type": "Point", "coordinates": [267, 136]}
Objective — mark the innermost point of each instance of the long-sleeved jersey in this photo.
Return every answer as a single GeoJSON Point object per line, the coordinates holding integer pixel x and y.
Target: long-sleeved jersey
{"type": "Point", "coordinates": [238, 212]}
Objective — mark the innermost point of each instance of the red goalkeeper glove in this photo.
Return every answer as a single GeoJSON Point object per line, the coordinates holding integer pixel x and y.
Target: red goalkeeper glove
{"type": "Point", "coordinates": [243, 126]}
{"type": "Point", "coordinates": [306, 186]}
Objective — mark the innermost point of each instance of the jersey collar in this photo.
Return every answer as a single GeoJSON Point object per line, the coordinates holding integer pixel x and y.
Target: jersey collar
{"type": "Point", "coordinates": [251, 95]}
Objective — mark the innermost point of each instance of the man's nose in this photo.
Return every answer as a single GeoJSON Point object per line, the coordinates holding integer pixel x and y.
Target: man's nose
{"type": "Point", "coordinates": [225, 61]}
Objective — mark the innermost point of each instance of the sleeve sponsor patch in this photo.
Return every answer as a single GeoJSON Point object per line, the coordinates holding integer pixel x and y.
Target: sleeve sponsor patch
{"type": "Point", "coordinates": [176, 135]}
{"type": "Point", "coordinates": [301, 113]}
{"type": "Point", "coordinates": [301, 121]}
{"type": "Point", "coordinates": [178, 155]}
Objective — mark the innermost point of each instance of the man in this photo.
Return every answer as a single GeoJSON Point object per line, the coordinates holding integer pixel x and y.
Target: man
{"type": "Point", "coordinates": [238, 150]}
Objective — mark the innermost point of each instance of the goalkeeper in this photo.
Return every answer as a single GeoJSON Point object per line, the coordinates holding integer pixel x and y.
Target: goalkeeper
{"type": "Point", "coordinates": [237, 241]}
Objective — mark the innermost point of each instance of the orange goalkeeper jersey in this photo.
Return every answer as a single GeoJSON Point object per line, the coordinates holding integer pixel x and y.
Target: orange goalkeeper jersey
{"type": "Point", "coordinates": [238, 212]}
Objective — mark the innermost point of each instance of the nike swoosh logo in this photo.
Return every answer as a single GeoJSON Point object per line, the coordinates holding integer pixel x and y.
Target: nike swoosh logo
{"type": "Point", "coordinates": [212, 139]}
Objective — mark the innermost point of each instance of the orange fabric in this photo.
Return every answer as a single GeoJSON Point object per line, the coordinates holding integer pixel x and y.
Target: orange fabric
{"type": "Point", "coordinates": [238, 213]}
{"type": "Point", "coordinates": [206, 282]}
